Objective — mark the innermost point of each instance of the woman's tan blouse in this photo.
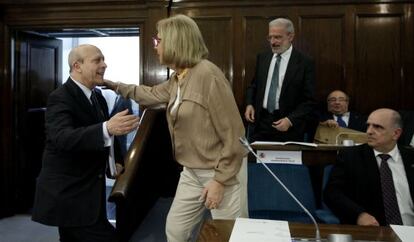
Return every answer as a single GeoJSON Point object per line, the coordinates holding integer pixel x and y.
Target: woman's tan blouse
{"type": "Point", "coordinates": [206, 126]}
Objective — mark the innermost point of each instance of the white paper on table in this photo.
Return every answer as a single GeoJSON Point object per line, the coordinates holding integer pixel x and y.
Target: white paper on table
{"type": "Point", "coordinates": [280, 157]}
{"type": "Point", "coordinates": [248, 230]}
{"type": "Point", "coordinates": [405, 233]}
{"type": "Point", "coordinates": [284, 143]}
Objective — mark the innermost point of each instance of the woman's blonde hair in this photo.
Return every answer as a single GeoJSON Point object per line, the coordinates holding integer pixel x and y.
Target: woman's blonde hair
{"type": "Point", "coordinates": [181, 41]}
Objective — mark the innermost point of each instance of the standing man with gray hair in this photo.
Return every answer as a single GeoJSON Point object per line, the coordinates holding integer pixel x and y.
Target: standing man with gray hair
{"type": "Point", "coordinates": [281, 95]}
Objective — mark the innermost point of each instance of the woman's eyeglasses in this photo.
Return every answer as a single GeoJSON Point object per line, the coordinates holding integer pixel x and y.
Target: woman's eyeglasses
{"type": "Point", "coordinates": [156, 41]}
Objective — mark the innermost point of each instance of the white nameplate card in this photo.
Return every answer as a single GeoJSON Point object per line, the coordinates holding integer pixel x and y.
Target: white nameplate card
{"type": "Point", "coordinates": [248, 230]}
{"type": "Point", "coordinates": [280, 157]}
{"type": "Point", "coordinates": [405, 233]}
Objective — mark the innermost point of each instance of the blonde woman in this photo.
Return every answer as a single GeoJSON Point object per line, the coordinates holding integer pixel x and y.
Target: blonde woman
{"type": "Point", "coordinates": [204, 123]}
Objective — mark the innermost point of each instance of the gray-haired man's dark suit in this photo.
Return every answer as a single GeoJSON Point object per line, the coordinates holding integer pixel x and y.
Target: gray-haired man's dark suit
{"type": "Point", "coordinates": [296, 97]}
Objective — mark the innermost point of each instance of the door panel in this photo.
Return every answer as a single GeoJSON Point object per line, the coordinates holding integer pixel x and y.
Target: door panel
{"type": "Point", "coordinates": [38, 70]}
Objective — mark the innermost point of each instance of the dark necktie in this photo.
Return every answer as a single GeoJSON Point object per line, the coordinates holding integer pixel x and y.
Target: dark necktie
{"type": "Point", "coordinates": [97, 107]}
{"type": "Point", "coordinates": [340, 121]}
{"type": "Point", "coordinates": [389, 197]}
{"type": "Point", "coordinates": [110, 165]}
{"type": "Point", "coordinates": [271, 98]}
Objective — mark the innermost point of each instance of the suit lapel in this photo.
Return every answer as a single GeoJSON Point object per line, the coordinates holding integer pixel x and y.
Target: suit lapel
{"type": "Point", "coordinates": [290, 71]}
{"type": "Point", "coordinates": [265, 65]}
{"type": "Point", "coordinates": [373, 175]}
{"type": "Point", "coordinates": [80, 98]}
{"type": "Point", "coordinates": [351, 119]}
{"type": "Point", "coordinates": [408, 160]}
{"type": "Point", "coordinates": [102, 103]}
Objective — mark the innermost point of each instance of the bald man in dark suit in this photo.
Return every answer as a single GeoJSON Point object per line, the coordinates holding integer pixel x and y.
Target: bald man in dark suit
{"type": "Point", "coordinates": [70, 190]}
{"type": "Point", "coordinates": [373, 184]}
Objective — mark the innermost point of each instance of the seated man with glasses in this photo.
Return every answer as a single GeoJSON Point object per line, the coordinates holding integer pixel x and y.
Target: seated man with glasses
{"type": "Point", "coordinates": [338, 114]}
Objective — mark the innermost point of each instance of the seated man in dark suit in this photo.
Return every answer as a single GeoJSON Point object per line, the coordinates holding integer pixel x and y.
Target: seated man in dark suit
{"type": "Point", "coordinates": [338, 114]}
{"type": "Point", "coordinates": [407, 136]}
{"type": "Point", "coordinates": [373, 184]}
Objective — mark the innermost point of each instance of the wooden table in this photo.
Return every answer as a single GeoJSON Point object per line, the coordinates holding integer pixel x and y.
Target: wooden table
{"type": "Point", "coordinates": [322, 155]}
{"type": "Point", "coordinates": [220, 230]}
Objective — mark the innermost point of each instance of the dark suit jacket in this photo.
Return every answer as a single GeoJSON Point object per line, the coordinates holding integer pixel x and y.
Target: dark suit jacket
{"type": "Point", "coordinates": [71, 186]}
{"type": "Point", "coordinates": [408, 127]}
{"type": "Point", "coordinates": [356, 121]}
{"type": "Point", "coordinates": [355, 186]}
{"type": "Point", "coordinates": [297, 95]}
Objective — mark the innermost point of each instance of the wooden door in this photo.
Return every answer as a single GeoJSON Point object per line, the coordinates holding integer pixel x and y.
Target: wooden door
{"type": "Point", "coordinates": [38, 73]}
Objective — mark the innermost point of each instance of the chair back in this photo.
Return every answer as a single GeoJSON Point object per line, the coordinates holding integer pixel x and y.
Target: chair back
{"type": "Point", "coordinates": [268, 199]}
{"type": "Point", "coordinates": [324, 214]}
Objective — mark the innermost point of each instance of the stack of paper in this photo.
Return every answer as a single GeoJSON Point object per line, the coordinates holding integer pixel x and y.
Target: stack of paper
{"type": "Point", "coordinates": [248, 230]}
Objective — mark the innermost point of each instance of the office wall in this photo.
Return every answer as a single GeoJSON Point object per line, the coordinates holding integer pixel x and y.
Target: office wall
{"type": "Point", "coordinates": [362, 47]}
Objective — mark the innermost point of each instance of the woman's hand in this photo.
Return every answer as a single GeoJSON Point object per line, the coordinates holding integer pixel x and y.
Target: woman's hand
{"type": "Point", "coordinates": [107, 84]}
{"type": "Point", "coordinates": [212, 194]}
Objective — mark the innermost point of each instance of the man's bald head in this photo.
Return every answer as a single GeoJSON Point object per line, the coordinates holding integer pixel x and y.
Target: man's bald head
{"type": "Point", "coordinates": [384, 129]}
{"type": "Point", "coordinates": [78, 53]}
{"type": "Point", "coordinates": [87, 65]}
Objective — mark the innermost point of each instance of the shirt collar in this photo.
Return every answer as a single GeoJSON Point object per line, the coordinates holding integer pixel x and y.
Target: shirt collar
{"type": "Point", "coordinates": [285, 54]}
{"type": "Point", "coordinates": [181, 75]}
{"type": "Point", "coordinates": [393, 153]}
{"type": "Point", "coordinates": [342, 115]}
{"type": "Point", "coordinates": [84, 89]}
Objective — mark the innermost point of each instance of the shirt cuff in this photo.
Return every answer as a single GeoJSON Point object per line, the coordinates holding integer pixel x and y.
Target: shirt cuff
{"type": "Point", "coordinates": [289, 122]}
{"type": "Point", "coordinates": [107, 138]}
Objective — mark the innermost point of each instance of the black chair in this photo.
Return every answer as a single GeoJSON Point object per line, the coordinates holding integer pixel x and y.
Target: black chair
{"type": "Point", "coordinates": [324, 214]}
{"type": "Point", "coordinates": [268, 199]}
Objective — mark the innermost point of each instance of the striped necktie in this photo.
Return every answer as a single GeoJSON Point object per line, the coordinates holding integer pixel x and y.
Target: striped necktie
{"type": "Point", "coordinates": [389, 197]}
{"type": "Point", "coordinates": [271, 98]}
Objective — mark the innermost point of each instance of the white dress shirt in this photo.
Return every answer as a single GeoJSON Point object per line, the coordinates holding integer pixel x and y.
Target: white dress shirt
{"type": "Point", "coordinates": [345, 118]}
{"type": "Point", "coordinates": [285, 56]}
{"type": "Point", "coordinates": [108, 139]}
{"type": "Point", "coordinates": [405, 202]}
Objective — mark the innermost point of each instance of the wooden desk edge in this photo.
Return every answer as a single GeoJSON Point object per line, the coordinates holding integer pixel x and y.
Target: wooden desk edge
{"type": "Point", "coordinates": [220, 231]}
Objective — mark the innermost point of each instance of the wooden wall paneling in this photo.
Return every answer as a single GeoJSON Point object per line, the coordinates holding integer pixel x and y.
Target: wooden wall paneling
{"type": "Point", "coordinates": [70, 15]}
{"type": "Point", "coordinates": [256, 31]}
{"type": "Point", "coordinates": [153, 72]}
{"type": "Point", "coordinates": [65, 1]}
{"type": "Point", "coordinates": [407, 96]}
{"type": "Point", "coordinates": [217, 27]}
{"type": "Point", "coordinates": [322, 38]}
{"type": "Point", "coordinates": [218, 35]}
{"type": "Point", "coordinates": [239, 54]}
{"type": "Point", "coordinates": [349, 55]}
{"type": "Point", "coordinates": [378, 60]}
